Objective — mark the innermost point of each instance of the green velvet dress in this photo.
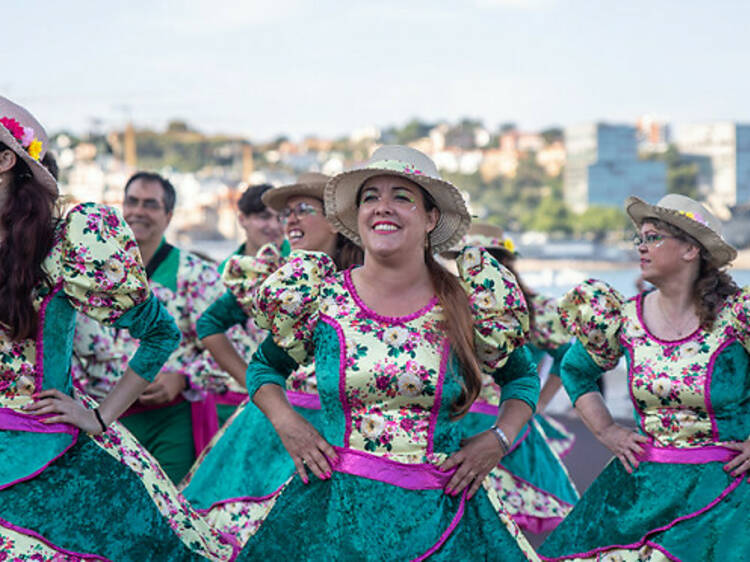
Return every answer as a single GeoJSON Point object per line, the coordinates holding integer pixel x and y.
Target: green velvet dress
{"type": "Point", "coordinates": [690, 397]}
{"type": "Point", "coordinates": [386, 387]}
{"type": "Point", "coordinates": [64, 494]}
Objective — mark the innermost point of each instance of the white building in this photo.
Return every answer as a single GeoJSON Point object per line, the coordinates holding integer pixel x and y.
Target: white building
{"type": "Point", "coordinates": [722, 151]}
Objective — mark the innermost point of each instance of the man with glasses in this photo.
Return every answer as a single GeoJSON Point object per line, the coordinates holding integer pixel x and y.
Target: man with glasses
{"type": "Point", "coordinates": [169, 418]}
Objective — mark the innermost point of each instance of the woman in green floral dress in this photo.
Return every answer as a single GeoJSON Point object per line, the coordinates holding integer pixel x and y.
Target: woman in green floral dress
{"type": "Point", "coordinates": [390, 473]}
{"type": "Point", "coordinates": [677, 489]}
{"type": "Point", "coordinates": [74, 485]}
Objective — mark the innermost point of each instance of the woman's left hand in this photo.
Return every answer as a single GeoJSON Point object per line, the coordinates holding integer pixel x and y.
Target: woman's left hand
{"type": "Point", "coordinates": [741, 463]}
{"type": "Point", "coordinates": [68, 410]}
{"type": "Point", "coordinates": [476, 458]}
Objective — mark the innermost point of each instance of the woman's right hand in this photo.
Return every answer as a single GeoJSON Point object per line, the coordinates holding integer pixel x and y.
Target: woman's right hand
{"type": "Point", "coordinates": [624, 444]}
{"type": "Point", "coordinates": [306, 446]}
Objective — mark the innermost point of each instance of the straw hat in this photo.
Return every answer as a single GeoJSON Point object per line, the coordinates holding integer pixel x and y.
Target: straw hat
{"type": "Point", "coordinates": [25, 136]}
{"type": "Point", "coordinates": [340, 195]}
{"type": "Point", "coordinates": [484, 235]}
{"type": "Point", "coordinates": [688, 215]}
{"type": "Point", "coordinates": [310, 184]}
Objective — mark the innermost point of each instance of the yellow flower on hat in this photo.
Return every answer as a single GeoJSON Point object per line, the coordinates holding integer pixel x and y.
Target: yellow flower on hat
{"type": "Point", "coordinates": [35, 149]}
{"type": "Point", "coordinates": [687, 214]}
{"type": "Point", "coordinates": [509, 245]}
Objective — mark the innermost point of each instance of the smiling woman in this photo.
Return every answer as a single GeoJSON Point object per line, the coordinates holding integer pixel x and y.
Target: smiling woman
{"type": "Point", "coordinates": [389, 457]}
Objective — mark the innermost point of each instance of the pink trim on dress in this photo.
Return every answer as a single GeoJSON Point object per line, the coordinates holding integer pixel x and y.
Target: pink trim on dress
{"type": "Point", "coordinates": [445, 357]}
{"type": "Point", "coordinates": [305, 400]}
{"type": "Point", "coordinates": [39, 367]}
{"type": "Point", "coordinates": [707, 391]}
{"type": "Point", "coordinates": [243, 499]}
{"type": "Point", "coordinates": [349, 284]}
{"type": "Point", "coordinates": [482, 407]}
{"type": "Point", "coordinates": [536, 525]}
{"type": "Point", "coordinates": [631, 363]}
{"type": "Point", "coordinates": [644, 539]}
{"type": "Point", "coordinates": [345, 406]}
{"type": "Point", "coordinates": [639, 311]}
{"type": "Point", "coordinates": [422, 476]}
{"type": "Point", "coordinates": [408, 476]}
{"type": "Point", "coordinates": [230, 398]}
{"type": "Point", "coordinates": [34, 534]}
{"type": "Point", "coordinates": [692, 455]}
{"type": "Point", "coordinates": [447, 533]}
{"type": "Point", "coordinates": [10, 420]}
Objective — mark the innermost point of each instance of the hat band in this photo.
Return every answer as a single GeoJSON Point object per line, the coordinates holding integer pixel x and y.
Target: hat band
{"type": "Point", "coordinates": [697, 217]}
{"type": "Point", "coordinates": [397, 166]}
{"type": "Point", "coordinates": [490, 242]}
{"type": "Point", "coordinates": [24, 135]}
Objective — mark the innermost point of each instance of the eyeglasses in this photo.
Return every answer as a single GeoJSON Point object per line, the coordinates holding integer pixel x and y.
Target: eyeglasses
{"type": "Point", "coordinates": [149, 204]}
{"type": "Point", "coordinates": [300, 210]}
{"type": "Point", "coordinates": [651, 240]}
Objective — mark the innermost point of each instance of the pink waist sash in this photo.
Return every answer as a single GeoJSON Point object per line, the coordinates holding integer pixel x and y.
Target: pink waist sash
{"type": "Point", "coordinates": [303, 399]}
{"type": "Point", "coordinates": [693, 455]}
{"type": "Point", "coordinates": [230, 398]}
{"type": "Point", "coordinates": [482, 407]}
{"type": "Point", "coordinates": [17, 421]}
{"type": "Point", "coordinates": [421, 476]}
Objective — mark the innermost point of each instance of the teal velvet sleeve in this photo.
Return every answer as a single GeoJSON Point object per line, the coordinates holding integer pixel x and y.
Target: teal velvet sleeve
{"type": "Point", "coordinates": [150, 323]}
{"type": "Point", "coordinates": [269, 365]}
{"type": "Point", "coordinates": [557, 355]}
{"type": "Point", "coordinates": [579, 372]}
{"type": "Point", "coordinates": [220, 316]}
{"type": "Point", "coordinates": [518, 378]}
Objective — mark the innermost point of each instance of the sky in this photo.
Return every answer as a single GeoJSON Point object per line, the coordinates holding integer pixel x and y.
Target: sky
{"type": "Point", "coordinates": [266, 68]}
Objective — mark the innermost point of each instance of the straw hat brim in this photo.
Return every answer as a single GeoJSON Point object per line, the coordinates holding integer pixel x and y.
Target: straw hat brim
{"type": "Point", "coordinates": [340, 199]}
{"type": "Point", "coordinates": [40, 173]}
{"type": "Point", "coordinates": [277, 197]}
{"type": "Point", "coordinates": [720, 251]}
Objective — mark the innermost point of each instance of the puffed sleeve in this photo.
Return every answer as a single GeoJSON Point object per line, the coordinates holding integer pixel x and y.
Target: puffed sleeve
{"type": "Point", "coordinates": [287, 302]}
{"type": "Point", "coordinates": [501, 318]}
{"type": "Point", "coordinates": [592, 313]}
{"type": "Point", "coordinates": [741, 316]}
{"type": "Point", "coordinates": [244, 274]}
{"type": "Point", "coordinates": [103, 278]}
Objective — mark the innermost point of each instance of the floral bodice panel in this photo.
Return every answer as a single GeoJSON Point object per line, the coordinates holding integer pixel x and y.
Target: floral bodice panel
{"type": "Point", "coordinates": [690, 392]}
{"type": "Point", "coordinates": [95, 268]}
{"type": "Point", "coordinates": [101, 353]}
{"type": "Point", "coordinates": [391, 377]}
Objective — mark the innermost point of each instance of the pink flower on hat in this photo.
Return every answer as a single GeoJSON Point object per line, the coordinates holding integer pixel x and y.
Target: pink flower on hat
{"type": "Point", "coordinates": [13, 126]}
{"type": "Point", "coordinates": [697, 217]}
{"type": "Point", "coordinates": [28, 136]}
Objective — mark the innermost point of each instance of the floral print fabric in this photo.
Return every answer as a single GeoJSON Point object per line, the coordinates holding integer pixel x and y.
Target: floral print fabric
{"type": "Point", "coordinates": [96, 263]}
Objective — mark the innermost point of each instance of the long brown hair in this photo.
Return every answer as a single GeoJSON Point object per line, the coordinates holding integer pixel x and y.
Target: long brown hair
{"type": "Point", "coordinates": [27, 224]}
{"type": "Point", "coordinates": [712, 286]}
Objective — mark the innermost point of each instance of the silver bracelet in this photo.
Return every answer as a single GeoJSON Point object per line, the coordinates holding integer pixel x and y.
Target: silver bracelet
{"type": "Point", "coordinates": [502, 438]}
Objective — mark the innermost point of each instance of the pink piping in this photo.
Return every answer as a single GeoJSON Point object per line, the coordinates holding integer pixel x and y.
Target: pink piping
{"type": "Point", "coordinates": [39, 378]}
{"type": "Point", "coordinates": [666, 527]}
{"type": "Point", "coordinates": [663, 550]}
{"type": "Point", "coordinates": [448, 531]}
{"type": "Point", "coordinates": [707, 392]}
{"type": "Point", "coordinates": [305, 400]}
{"type": "Point", "coordinates": [16, 421]}
{"type": "Point", "coordinates": [445, 356]}
{"type": "Point", "coordinates": [342, 377]}
{"type": "Point", "coordinates": [639, 310]}
{"type": "Point", "coordinates": [534, 524]}
{"type": "Point", "coordinates": [253, 499]}
{"type": "Point", "coordinates": [34, 534]}
{"type": "Point", "coordinates": [372, 314]}
{"type": "Point", "coordinates": [631, 363]}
